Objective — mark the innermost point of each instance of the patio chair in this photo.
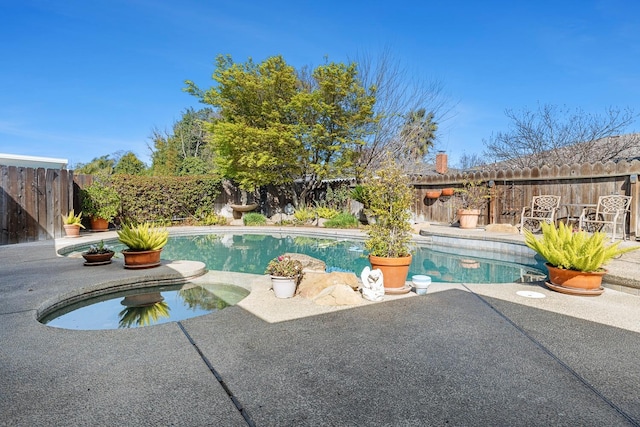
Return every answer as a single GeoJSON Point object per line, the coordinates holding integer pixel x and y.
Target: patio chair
{"type": "Point", "coordinates": [610, 210]}
{"type": "Point", "coordinates": [543, 208]}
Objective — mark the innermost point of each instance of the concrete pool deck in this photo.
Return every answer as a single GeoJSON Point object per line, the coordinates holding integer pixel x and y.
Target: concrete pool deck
{"type": "Point", "coordinates": [461, 355]}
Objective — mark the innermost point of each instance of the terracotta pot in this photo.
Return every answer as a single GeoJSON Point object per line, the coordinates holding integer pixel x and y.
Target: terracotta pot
{"type": "Point", "coordinates": [98, 259]}
{"type": "Point", "coordinates": [575, 282]}
{"type": "Point", "coordinates": [141, 259]}
{"type": "Point", "coordinates": [433, 194]}
{"type": "Point", "coordinates": [283, 287]}
{"type": "Point", "coordinates": [468, 217]}
{"type": "Point", "coordinates": [72, 230]}
{"type": "Point", "coordinates": [99, 224]}
{"type": "Point", "coordinates": [394, 272]}
{"type": "Point", "coordinates": [447, 192]}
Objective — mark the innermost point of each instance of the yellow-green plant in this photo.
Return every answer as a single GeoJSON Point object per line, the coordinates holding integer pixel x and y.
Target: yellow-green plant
{"type": "Point", "coordinates": [564, 248]}
{"type": "Point", "coordinates": [472, 195]}
{"type": "Point", "coordinates": [390, 199]}
{"type": "Point", "coordinates": [327, 213]}
{"type": "Point", "coordinates": [304, 215]}
{"type": "Point", "coordinates": [143, 237]}
{"type": "Point", "coordinates": [73, 219]}
{"type": "Point", "coordinates": [254, 218]}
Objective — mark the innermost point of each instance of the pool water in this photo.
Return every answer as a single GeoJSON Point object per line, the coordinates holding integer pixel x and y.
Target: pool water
{"type": "Point", "coordinates": [250, 253]}
{"type": "Point", "coordinates": [145, 307]}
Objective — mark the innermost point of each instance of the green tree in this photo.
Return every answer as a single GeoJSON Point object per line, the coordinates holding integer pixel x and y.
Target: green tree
{"type": "Point", "coordinates": [174, 153]}
{"type": "Point", "coordinates": [277, 124]}
{"type": "Point", "coordinates": [333, 115]}
{"type": "Point", "coordinates": [129, 164]}
{"type": "Point", "coordinates": [99, 165]}
{"type": "Point", "coordinates": [418, 134]}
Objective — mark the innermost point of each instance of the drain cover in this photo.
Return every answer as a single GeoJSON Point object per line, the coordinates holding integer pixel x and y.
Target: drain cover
{"type": "Point", "coordinates": [530, 294]}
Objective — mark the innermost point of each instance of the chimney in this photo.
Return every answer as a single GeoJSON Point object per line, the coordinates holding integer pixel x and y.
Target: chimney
{"type": "Point", "coordinates": [441, 162]}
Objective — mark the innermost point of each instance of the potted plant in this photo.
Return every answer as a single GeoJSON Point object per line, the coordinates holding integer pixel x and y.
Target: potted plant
{"type": "Point", "coordinates": [390, 199]}
{"type": "Point", "coordinates": [575, 260]}
{"type": "Point", "coordinates": [472, 198]}
{"type": "Point", "coordinates": [101, 202]}
{"type": "Point", "coordinates": [144, 244]}
{"type": "Point", "coordinates": [286, 273]}
{"type": "Point", "coordinates": [99, 254]}
{"type": "Point", "coordinates": [72, 224]}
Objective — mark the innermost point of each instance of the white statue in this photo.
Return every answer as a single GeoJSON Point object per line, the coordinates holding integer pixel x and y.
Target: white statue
{"type": "Point", "coordinates": [372, 284]}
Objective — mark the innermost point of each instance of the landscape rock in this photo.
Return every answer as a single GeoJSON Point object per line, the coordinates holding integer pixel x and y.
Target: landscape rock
{"type": "Point", "coordinates": [314, 283]}
{"type": "Point", "coordinates": [309, 264]}
{"type": "Point", "coordinates": [338, 295]}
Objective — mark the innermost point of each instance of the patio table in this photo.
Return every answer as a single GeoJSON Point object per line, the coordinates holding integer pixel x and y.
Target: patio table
{"type": "Point", "coordinates": [570, 210]}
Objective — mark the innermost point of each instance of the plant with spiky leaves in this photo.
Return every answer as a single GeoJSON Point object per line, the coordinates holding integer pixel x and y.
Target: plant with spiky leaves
{"type": "Point", "coordinates": [564, 248]}
{"type": "Point", "coordinates": [143, 237]}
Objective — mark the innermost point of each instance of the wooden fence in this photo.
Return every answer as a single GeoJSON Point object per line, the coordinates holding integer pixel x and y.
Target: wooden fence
{"type": "Point", "coordinates": [32, 201]}
{"type": "Point", "coordinates": [513, 189]}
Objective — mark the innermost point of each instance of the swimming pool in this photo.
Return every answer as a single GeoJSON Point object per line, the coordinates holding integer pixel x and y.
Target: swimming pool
{"type": "Point", "coordinates": [250, 253]}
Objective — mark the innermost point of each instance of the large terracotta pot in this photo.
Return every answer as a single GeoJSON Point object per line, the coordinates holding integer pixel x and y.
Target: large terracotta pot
{"type": "Point", "coordinates": [575, 282]}
{"type": "Point", "coordinates": [447, 191]}
{"type": "Point", "coordinates": [99, 224]}
{"type": "Point", "coordinates": [468, 217]}
{"type": "Point", "coordinates": [72, 230]}
{"type": "Point", "coordinates": [141, 259]}
{"type": "Point", "coordinates": [394, 272]}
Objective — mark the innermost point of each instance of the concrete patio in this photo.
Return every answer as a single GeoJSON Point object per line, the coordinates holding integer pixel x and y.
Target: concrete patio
{"type": "Point", "coordinates": [463, 354]}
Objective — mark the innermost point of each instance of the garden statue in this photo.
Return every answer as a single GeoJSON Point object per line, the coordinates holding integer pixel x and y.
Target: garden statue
{"type": "Point", "coordinates": [372, 284]}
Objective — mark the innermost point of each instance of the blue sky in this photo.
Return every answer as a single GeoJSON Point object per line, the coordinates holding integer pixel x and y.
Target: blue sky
{"type": "Point", "coordinates": [81, 79]}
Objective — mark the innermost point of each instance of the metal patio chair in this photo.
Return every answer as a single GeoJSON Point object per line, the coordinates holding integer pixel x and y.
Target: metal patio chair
{"type": "Point", "coordinates": [542, 209]}
{"type": "Point", "coordinates": [610, 210]}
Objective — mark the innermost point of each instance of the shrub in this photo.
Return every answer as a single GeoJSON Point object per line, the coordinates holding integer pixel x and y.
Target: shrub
{"type": "Point", "coordinates": [343, 220]}
{"type": "Point", "coordinates": [254, 218]}
{"type": "Point", "coordinates": [326, 213]}
{"type": "Point", "coordinates": [304, 215]}
{"type": "Point", "coordinates": [214, 219]}
{"type": "Point", "coordinates": [162, 198]}
{"type": "Point", "coordinates": [390, 199]}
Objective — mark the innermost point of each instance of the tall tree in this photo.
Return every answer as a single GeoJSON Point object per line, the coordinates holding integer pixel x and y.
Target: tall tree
{"type": "Point", "coordinates": [333, 114]}
{"type": "Point", "coordinates": [418, 134]}
{"type": "Point", "coordinates": [99, 165]}
{"type": "Point", "coordinates": [129, 164]}
{"type": "Point", "coordinates": [277, 125]}
{"type": "Point", "coordinates": [553, 135]}
{"type": "Point", "coordinates": [185, 150]}
{"type": "Point", "coordinates": [253, 139]}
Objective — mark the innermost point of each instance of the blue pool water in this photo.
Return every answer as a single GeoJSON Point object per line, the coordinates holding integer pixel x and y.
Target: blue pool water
{"type": "Point", "coordinates": [250, 253]}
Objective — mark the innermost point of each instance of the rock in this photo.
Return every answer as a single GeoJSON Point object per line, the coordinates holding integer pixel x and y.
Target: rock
{"type": "Point", "coordinates": [338, 295]}
{"type": "Point", "coordinates": [309, 264]}
{"type": "Point", "coordinates": [502, 228]}
{"type": "Point", "coordinates": [314, 283]}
